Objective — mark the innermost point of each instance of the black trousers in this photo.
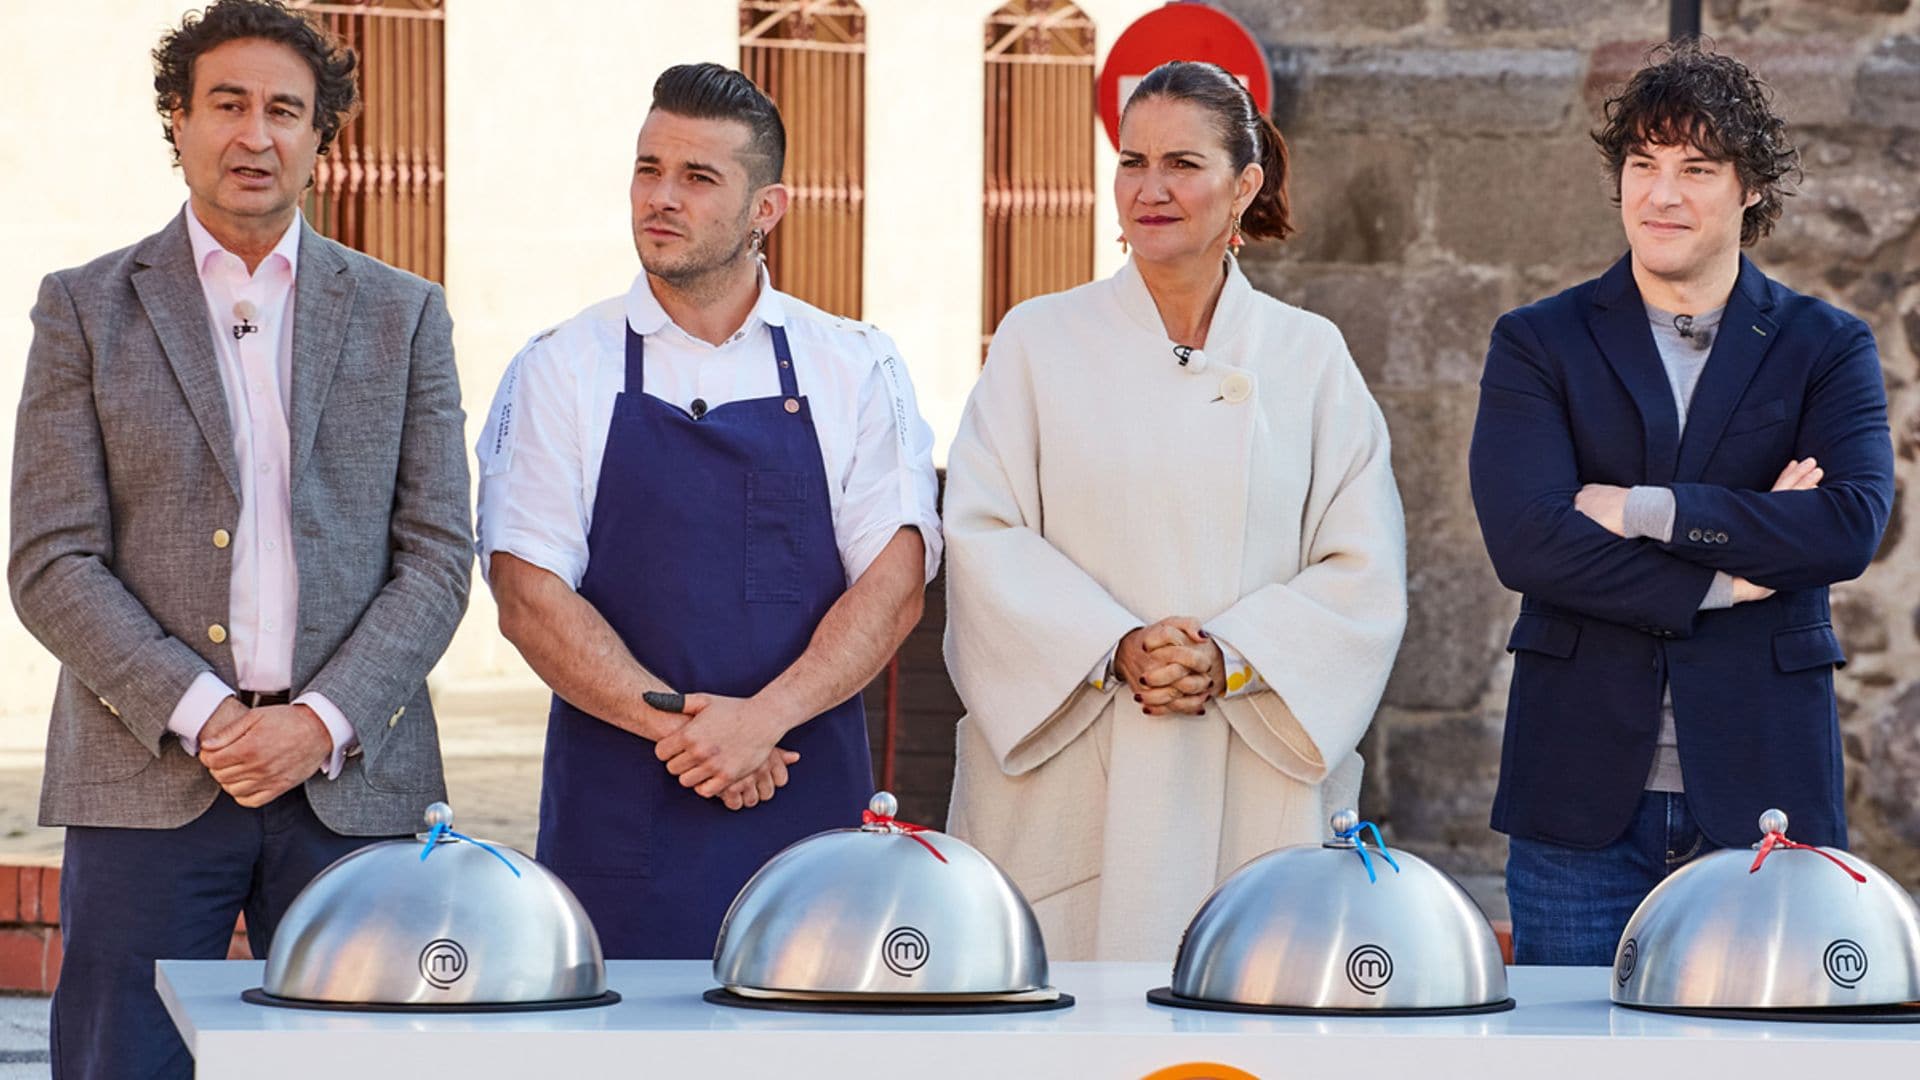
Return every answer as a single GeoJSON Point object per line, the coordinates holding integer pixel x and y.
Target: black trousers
{"type": "Point", "coordinates": [129, 897]}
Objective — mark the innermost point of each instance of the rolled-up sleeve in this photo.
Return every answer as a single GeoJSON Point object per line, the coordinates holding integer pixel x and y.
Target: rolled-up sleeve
{"type": "Point", "coordinates": [890, 483]}
{"type": "Point", "coordinates": [532, 494]}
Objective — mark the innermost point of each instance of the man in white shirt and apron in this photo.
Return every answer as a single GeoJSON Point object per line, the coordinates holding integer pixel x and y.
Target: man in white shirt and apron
{"type": "Point", "coordinates": [707, 488]}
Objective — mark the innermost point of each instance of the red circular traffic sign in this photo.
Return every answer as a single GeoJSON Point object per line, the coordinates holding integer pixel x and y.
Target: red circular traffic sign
{"type": "Point", "coordinates": [1180, 31]}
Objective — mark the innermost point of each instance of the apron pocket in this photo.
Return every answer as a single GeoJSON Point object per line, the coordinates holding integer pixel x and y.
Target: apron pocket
{"type": "Point", "coordinates": [776, 517]}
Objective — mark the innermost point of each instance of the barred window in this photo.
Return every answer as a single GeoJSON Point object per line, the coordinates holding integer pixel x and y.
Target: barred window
{"type": "Point", "coordinates": [810, 57]}
{"type": "Point", "coordinates": [380, 188]}
{"type": "Point", "coordinates": [1039, 154]}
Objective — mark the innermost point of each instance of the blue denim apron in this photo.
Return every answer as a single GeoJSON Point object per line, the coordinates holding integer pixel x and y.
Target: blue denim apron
{"type": "Point", "coordinates": [712, 555]}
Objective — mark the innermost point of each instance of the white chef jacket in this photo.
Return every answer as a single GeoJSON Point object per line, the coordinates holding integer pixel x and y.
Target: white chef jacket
{"type": "Point", "coordinates": [546, 432]}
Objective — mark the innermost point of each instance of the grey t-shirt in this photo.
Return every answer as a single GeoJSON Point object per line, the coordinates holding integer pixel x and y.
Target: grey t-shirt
{"type": "Point", "coordinates": [1650, 510]}
{"type": "Point", "coordinates": [1684, 352]}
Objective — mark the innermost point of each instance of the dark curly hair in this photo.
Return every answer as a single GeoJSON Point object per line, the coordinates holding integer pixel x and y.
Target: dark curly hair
{"type": "Point", "coordinates": [1688, 93]}
{"type": "Point", "coordinates": [336, 96]}
{"type": "Point", "coordinates": [1247, 133]}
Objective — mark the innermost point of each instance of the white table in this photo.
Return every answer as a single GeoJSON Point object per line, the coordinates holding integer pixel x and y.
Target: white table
{"type": "Point", "coordinates": [1563, 1029]}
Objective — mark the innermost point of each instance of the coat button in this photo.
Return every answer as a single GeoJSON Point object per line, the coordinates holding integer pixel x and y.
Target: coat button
{"type": "Point", "coordinates": [1719, 538]}
{"type": "Point", "coordinates": [394, 720]}
{"type": "Point", "coordinates": [221, 538]}
{"type": "Point", "coordinates": [793, 406]}
{"type": "Point", "coordinates": [216, 633]}
{"type": "Point", "coordinates": [1693, 535]}
{"type": "Point", "coordinates": [1236, 388]}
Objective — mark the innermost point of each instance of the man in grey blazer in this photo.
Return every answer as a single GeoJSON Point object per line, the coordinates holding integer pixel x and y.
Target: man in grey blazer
{"type": "Point", "coordinates": [240, 522]}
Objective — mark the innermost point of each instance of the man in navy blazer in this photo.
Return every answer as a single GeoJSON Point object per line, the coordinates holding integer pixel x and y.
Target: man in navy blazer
{"type": "Point", "coordinates": [1671, 464]}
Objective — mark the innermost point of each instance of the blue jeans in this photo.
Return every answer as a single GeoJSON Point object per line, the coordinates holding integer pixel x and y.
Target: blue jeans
{"type": "Point", "coordinates": [1570, 905]}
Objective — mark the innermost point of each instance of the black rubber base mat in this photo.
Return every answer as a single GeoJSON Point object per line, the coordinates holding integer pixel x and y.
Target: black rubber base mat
{"type": "Point", "coordinates": [257, 996]}
{"type": "Point", "coordinates": [1165, 996]}
{"type": "Point", "coordinates": [1908, 1013]}
{"type": "Point", "coordinates": [719, 996]}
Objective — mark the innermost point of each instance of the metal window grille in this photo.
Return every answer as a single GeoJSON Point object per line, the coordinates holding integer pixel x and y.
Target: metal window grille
{"type": "Point", "coordinates": [810, 57]}
{"type": "Point", "coordinates": [380, 188]}
{"type": "Point", "coordinates": [1039, 160]}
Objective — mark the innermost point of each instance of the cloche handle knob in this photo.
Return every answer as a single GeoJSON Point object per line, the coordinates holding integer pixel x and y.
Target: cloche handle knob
{"type": "Point", "coordinates": [883, 804]}
{"type": "Point", "coordinates": [1773, 821]}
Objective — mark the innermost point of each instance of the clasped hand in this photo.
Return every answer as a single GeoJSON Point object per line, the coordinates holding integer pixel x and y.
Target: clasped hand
{"type": "Point", "coordinates": [1172, 666]}
{"type": "Point", "coordinates": [257, 755]}
{"type": "Point", "coordinates": [724, 747]}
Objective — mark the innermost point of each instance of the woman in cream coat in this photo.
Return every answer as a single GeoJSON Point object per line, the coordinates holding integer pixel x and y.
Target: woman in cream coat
{"type": "Point", "coordinates": [1176, 555]}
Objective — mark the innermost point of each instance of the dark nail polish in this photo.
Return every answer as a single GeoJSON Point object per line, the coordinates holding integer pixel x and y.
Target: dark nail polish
{"type": "Point", "coordinates": [1203, 635]}
{"type": "Point", "coordinates": [1137, 697]}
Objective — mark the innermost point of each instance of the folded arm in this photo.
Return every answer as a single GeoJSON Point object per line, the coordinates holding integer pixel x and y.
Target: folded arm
{"type": "Point", "coordinates": [1808, 538]}
{"type": "Point", "coordinates": [1525, 478]}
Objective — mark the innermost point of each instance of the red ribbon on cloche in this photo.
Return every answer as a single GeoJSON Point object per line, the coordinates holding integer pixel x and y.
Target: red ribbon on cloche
{"type": "Point", "coordinates": [905, 828]}
{"type": "Point", "coordinates": [1774, 824]}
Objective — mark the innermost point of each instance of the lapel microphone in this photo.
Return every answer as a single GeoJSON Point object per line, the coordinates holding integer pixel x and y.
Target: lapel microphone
{"type": "Point", "coordinates": [1191, 358]}
{"type": "Point", "coordinates": [245, 311]}
{"type": "Point", "coordinates": [1683, 325]}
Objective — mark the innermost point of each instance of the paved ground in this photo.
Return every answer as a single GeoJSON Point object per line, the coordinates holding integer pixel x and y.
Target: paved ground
{"type": "Point", "coordinates": [19, 798]}
{"type": "Point", "coordinates": [23, 1038]}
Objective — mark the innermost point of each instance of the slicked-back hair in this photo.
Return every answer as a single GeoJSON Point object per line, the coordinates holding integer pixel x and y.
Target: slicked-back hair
{"type": "Point", "coordinates": [336, 97]}
{"type": "Point", "coordinates": [1248, 135]}
{"type": "Point", "coordinates": [712, 92]}
{"type": "Point", "coordinates": [1689, 94]}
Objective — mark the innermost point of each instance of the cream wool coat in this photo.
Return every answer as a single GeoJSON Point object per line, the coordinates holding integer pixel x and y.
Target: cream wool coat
{"type": "Point", "coordinates": [1097, 485]}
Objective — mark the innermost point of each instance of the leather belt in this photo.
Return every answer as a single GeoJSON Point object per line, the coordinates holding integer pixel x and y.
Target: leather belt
{"type": "Point", "coordinates": [255, 699]}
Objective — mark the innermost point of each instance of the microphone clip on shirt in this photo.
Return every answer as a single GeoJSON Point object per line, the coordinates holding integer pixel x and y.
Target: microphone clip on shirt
{"type": "Point", "coordinates": [1700, 337]}
{"type": "Point", "coordinates": [244, 311]}
{"type": "Point", "coordinates": [1192, 359]}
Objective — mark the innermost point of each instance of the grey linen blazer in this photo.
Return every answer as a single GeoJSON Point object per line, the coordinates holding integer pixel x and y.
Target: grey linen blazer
{"type": "Point", "coordinates": [123, 468]}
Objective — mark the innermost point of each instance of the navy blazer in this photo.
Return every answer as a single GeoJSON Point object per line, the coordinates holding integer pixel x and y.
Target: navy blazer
{"type": "Point", "coordinates": [1574, 393]}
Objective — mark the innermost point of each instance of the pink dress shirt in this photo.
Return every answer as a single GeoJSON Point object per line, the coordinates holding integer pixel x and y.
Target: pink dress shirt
{"type": "Point", "coordinates": [256, 371]}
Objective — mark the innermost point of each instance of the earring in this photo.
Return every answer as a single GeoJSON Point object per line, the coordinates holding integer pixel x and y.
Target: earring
{"type": "Point", "coordinates": [1122, 238]}
{"type": "Point", "coordinates": [756, 240]}
{"type": "Point", "coordinates": [1236, 241]}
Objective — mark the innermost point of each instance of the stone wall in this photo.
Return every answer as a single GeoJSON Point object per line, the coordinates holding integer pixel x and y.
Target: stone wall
{"type": "Point", "coordinates": [1444, 175]}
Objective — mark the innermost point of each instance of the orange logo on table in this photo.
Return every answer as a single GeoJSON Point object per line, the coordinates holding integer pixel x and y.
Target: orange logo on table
{"type": "Point", "coordinates": [1200, 1070]}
